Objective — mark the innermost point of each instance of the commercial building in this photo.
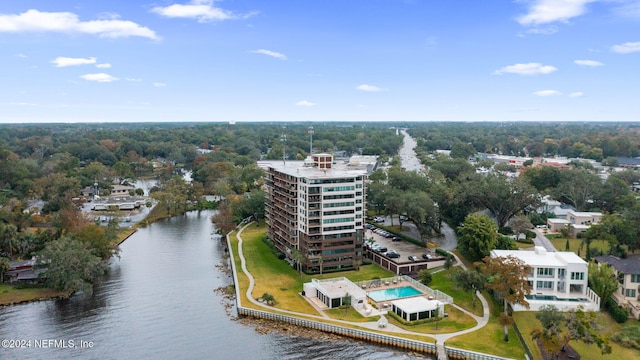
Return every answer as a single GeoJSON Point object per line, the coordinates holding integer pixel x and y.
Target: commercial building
{"type": "Point", "coordinates": [315, 210]}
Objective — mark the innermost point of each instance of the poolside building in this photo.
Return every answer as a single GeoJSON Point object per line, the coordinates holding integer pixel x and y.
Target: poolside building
{"type": "Point", "coordinates": [315, 211]}
{"type": "Point", "coordinates": [417, 308]}
{"type": "Point", "coordinates": [557, 278]}
{"type": "Point", "coordinates": [333, 292]}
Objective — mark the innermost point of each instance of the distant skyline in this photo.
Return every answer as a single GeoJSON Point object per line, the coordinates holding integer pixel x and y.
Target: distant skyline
{"type": "Point", "coordinates": [330, 60]}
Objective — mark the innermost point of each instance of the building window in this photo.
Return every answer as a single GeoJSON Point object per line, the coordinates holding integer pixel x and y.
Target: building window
{"type": "Point", "coordinates": [545, 272]}
{"type": "Point", "coordinates": [544, 284]}
{"type": "Point", "coordinates": [630, 293]}
{"type": "Point", "coordinates": [577, 276]}
{"type": "Point", "coordinates": [635, 278]}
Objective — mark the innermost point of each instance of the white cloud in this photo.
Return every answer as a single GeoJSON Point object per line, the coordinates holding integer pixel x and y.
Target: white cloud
{"type": "Point", "coordinates": [270, 53]}
{"type": "Point", "coordinates": [591, 63]}
{"type": "Point", "coordinates": [576, 94]}
{"type": "Point", "coordinates": [626, 48]}
{"type": "Point", "coordinates": [202, 10]}
{"type": "Point", "coordinates": [369, 88]}
{"type": "Point", "coordinates": [549, 11]}
{"type": "Point", "coordinates": [159, 84]}
{"type": "Point", "coordinates": [547, 93]}
{"type": "Point", "coordinates": [133, 79]}
{"type": "Point", "coordinates": [629, 9]}
{"type": "Point", "coordinates": [67, 22]}
{"type": "Point", "coordinates": [549, 30]}
{"type": "Point", "coordinates": [305, 103]}
{"type": "Point", "coordinates": [103, 66]}
{"type": "Point", "coordinates": [21, 55]}
{"type": "Point", "coordinates": [526, 69]}
{"type": "Point", "coordinates": [62, 61]}
{"type": "Point", "coordinates": [99, 77]}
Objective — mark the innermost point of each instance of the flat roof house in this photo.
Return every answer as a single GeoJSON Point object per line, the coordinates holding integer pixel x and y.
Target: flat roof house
{"type": "Point", "coordinates": [557, 278]}
{"type": "Point", "coordinates": [580, 221]}
{"type": "Point", "coordinates": [628, 271]}
{"type": "Point", "coordinates": [317, 208]}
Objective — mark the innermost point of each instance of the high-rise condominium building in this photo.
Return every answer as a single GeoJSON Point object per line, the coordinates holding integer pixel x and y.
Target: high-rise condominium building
{"type": "Point", "coordinates": [315, 210]}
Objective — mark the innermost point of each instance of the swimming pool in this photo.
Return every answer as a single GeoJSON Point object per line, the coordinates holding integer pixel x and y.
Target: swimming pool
{"type": "Point", "coordinates": [553, 298]}
{"type": "Point", "coordinates": [392, 294]}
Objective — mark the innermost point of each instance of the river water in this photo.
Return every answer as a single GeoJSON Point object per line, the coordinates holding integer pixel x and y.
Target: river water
{"type": "Point", "coordinates": [158, 302]}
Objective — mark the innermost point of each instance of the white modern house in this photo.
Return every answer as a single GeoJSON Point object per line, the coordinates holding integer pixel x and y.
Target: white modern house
{"type": "Point", "coordinates": [579, 220]}
{"type": "Point", "coordinates": [557, 278]}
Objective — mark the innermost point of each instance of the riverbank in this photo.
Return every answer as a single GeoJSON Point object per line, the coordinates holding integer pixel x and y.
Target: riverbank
{"type": "Point", "coordinates": [10, 295]}
{"type": "Point", "coordinates": [16, 295]}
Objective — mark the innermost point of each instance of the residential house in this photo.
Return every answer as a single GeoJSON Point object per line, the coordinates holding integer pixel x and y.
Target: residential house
{"type": "Point", "coordinates": [23, 272]}
{"type": "Point", "coordinates": [578, 221]}
{"type": "Point", "coordinates": [121, 190]}
{"type": "Point", "coordinates": [558, 209]}
{"type": "Point", "coordinates": [628, 272]}
{"type": "Point", "coordinates": [557, 278]}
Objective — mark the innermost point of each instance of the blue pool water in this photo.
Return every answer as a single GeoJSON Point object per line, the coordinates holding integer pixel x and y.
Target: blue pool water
{"type": "Point", "coordinates": [392, 294]}
{"type": "Point", "coordinates": [552, 297]}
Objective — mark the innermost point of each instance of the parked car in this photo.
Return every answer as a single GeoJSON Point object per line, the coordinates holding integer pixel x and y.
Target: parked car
{"type": "Point", "coordinates": [395, 238]}
{"type": "Point", "coordinates": [413, 258]}
{"type": "Point", "coordinates": [426, 256]}
{"type": "Point", "coordinates": [378, 219]}
{"type": "Point", "coordinates": [393, 254]}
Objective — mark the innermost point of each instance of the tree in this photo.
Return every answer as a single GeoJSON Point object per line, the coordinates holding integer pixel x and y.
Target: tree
{"type": "Point", "coordinates": [71, 265]}
{"type": "Point", "coordinates": [603, 281]}
{"type": "Point", "coordinates": [297, 257]}
{"type": "Point", "coordinates": [469, 281]}
{"type": "Point", "coordinates": [578, 186]}
{"type": "Point", "coordinates": [582, 326]}
{"type": "Point", "coordinates": [425, 277]}
{"type": "Point", "coordinates": [223, 219]}
{"type": "Point", "coordinates": [477, 237]}
{"type": "Point", "coordinates": [507, 278]}
{"type": "Point", "coordinates": [505, 198]}
{"type": "Point", "coordinates": [519, 224]}
{"type": "Point", "coordinates": [550, 335]}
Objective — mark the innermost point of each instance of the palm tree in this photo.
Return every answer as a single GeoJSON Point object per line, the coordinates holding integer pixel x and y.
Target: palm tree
{"type": "Point", "coordinates": [297, 257]}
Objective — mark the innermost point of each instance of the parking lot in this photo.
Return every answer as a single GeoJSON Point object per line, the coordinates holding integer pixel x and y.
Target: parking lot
{"type": "Point", "coordinates": [403, 248]}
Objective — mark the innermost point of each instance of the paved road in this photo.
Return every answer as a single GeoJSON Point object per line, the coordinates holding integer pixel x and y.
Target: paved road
{"type": "Point", "coordinates": [541, 240]}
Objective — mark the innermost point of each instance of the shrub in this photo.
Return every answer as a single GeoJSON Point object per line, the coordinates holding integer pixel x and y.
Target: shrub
{"type": "Point", "coordinates": [443, 252]}
{"type": "Point", "coordinates": [529, 234]}
{"type": "Point", "coordinates": [618, 313]}
{"type": "Point", "coordinates": [505, 230]}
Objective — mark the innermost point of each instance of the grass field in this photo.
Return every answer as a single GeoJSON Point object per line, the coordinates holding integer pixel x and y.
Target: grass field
{"type": "Point", "coordinates": [440, 281]}
{"type": "Point", "coordinates": [10, 295]}
{"type": "Point", "coordinates": [489, 339]}
{"type": "Point", "coordinates": [574, 245]}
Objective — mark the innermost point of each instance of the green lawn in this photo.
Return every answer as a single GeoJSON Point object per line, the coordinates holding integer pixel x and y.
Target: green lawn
{"type": "Point", "coordinates": [350, 314]}
{"type": "Point", "coordinates": [440, 281]}
{"type": "Point", "coordinates": [456, 321]}
{"type": "Point", "coordinates": [574, 245]}
{"type": "Point", "coordinates": [489, 339]}
{"type": "Point", "coordinates": [10, 295]}
{"type": "Point", "coordinates": [527, 321]}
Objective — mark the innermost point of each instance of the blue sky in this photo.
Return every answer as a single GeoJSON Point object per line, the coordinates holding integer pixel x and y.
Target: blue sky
{"type": "Point", "coordinates": [319, 60]}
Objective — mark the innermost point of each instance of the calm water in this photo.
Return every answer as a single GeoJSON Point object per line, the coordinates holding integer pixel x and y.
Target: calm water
{"type": "Point", "coordinates": [158, 301]}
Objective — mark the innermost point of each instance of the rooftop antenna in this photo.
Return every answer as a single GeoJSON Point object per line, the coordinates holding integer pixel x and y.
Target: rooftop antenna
{"type": "Point", "coordinates": [284, 148]}
{"type": "Point", "coordinates": [310, 140]}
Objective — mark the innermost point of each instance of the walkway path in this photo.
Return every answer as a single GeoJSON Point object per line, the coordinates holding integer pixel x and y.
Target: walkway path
{"type": "Point", "coordinates": [440, 338]}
